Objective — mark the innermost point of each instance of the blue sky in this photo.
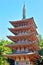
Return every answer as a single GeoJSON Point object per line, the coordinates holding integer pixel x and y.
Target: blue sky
{"type": "Point", "coordinates": [12, 10]}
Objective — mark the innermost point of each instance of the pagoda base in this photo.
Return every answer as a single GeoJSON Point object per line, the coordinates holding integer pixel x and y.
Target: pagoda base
{"type": "Point", "coordinates": [23, 59]}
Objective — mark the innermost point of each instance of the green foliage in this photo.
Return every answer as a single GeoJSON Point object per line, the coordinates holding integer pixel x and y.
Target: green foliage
{"type": "Point", "coordinates": [39, 62]}
{"type": "Point", "coordinates": [41, 52]}
{"type": "Point", "coordinates": [40, 43]}
{"type": "Point", "coordinates": [4, 50]}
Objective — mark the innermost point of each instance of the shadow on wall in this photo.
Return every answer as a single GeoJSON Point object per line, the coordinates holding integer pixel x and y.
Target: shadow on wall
{"type": "Point", "coordinates": [11, 62]}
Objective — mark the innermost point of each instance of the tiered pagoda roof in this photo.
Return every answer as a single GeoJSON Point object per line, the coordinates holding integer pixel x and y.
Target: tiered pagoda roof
{"type": "Point", "coordinates": [16, 30]}
{"type": "Point", "coordinates": [30, 56]}
{"type": "Point", "coordinates": [32, 46]}
{"type": "Point", "coordinates": [29, 21]}
{"type": "Point", "coordinates": [31, 36]}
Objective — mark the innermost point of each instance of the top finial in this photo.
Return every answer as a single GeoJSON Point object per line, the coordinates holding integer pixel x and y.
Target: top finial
{"type": "Point", "coordinates": [24, 10]}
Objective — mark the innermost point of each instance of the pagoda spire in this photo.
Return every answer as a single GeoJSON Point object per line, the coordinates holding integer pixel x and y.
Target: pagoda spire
{"type": "Point", "coordinates": [24, 12]}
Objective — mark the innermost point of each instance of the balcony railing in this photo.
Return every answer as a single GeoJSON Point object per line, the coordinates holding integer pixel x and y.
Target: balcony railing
{"type": "Point", "coordinates": [24, 52]}
{"type": "Point", "coordinates": [26, 42]}
{"type": "Point", "coordinates": [25, 33]}
{"type": "Point", "coordinates": [20, 26]}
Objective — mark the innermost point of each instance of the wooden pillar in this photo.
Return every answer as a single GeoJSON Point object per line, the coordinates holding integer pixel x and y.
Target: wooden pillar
{"type": "Point", "coordinates": [31, 63]}
{"type": "Point", "coordinates": [17, 59]}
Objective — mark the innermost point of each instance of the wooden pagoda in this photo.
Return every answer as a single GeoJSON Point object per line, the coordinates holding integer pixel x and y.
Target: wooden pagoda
{"type": "Point", "coordinates": [25, 40]}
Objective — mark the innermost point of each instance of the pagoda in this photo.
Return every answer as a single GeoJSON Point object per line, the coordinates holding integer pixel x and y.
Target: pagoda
{"type": "Point", "coordinates": [25, 40]}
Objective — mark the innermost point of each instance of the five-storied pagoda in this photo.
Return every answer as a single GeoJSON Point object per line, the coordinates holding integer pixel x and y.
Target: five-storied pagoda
{"type": "Point", "coordinates": [25, 40]}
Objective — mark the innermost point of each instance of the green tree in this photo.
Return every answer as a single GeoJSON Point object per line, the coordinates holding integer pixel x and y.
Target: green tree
{"type": "Point", "coordinates": [4, 50]}
{"type": "Point", "coordinates": [40, 42]}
